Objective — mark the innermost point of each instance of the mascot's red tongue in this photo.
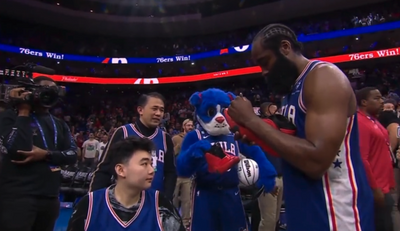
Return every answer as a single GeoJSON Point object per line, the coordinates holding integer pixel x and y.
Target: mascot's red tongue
{"type": "Point", "coordinates": [278, 122]}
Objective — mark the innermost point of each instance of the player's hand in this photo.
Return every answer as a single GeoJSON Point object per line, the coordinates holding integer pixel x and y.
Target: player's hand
{"type": "Point", "coordinates": [31, 156]}
{"type": "Point", "coordinates": [241, 110]}
{"type": "Point", "coordinates": [379, 197]}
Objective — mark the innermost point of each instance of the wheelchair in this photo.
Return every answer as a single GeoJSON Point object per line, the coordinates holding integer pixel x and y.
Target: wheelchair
{"type": "Point", "coordinates": [249, 200]}
{"type": "Point", "coordinates": [75, 184]}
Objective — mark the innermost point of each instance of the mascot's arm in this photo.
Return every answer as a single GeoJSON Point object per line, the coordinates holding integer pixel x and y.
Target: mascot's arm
{"type": "Point", "coordinates": [267, 170]}
{"type": "Point", "coordinates": [191, 155]}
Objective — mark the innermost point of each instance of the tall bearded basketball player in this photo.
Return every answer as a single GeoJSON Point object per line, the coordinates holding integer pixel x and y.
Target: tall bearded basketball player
{"type": "Point", "coordinates": [326, 188]}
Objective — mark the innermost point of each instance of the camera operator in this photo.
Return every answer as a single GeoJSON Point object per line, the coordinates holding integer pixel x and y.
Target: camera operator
{"type": "Point", "coordinates": [35, 145]}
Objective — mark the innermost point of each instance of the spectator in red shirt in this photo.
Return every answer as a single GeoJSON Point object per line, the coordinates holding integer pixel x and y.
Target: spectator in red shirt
{"type": "Point", "coordinates": [376, 155]}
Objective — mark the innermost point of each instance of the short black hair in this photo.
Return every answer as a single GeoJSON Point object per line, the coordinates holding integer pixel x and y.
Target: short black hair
{"type": "Point", "coordinates": [142, 101]}
{"type": "Point", "coordinates": [392, 101]}
{"type": "Point", "coordinates": [123, 150]}
{"type": "Point", "coordinates": [41, 78]}
{"type": "Point", "coordinates": [273, 34]}
{"type": "Point", "coordinates": [363, 94]}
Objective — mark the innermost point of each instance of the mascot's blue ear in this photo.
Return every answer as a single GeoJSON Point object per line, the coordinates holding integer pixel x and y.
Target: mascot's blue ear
{"type": "Point", "coordinates": [195, 99]}
{"type": "Point", "coordinates": [231, 95]}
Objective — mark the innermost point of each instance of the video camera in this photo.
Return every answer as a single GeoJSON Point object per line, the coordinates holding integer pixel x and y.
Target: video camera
{"type": "Point", "coordinates": [45, 96]}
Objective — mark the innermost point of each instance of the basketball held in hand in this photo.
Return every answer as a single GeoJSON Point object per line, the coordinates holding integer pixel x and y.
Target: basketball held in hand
{"type": "Point", "coordinates": [248, 172]}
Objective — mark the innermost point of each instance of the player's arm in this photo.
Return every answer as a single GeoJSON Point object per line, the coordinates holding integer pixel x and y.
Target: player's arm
{"type": "Point", "coordinates": [267, 170]}
{"type": "Point", "coordinates": [104, 171]}
{"type": "Point", "coordinates": [69, 153]}
{"type": "Point", "coordinates": [326, 93]}
{"type": "Point", "coordinates": [171, 221]}
{"type": "Point", "coordinates": [365, 141]}
{"type": "Point", "coordinates": [79, 215]}
{"type": "Point", "coordinates": [169, 168]}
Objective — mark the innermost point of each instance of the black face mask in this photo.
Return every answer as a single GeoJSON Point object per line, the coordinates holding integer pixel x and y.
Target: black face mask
{"type": "Point", "coordinates": [282, 75]}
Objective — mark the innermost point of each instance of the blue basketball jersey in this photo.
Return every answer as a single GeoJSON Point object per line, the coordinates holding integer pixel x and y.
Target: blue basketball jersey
{"type": "Point", "coordinates": [342, 199]}
{"type": "Point", "coordinates": [159, 139]}
{"type": "Point", "coordinates": [229, 179]}
{"type": "Point", "coordinates": [101, 215]}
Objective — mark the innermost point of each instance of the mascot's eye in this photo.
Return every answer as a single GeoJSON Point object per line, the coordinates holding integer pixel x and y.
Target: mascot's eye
{"type": "Point", "coordinates": [211, 111]}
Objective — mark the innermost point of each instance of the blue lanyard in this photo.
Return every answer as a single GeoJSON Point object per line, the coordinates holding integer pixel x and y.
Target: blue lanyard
{"type": "Point", "coordinates": [42, 133]}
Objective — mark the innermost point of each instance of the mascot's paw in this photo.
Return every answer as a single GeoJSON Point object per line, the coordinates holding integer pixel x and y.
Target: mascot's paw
{"type": "Point", "coordinates": [267, 172]}
{"type": "Point", "coordinates": [255, 156]}
{"type": "Point", "coordinates": [267, 183]}
{"type": "Point", "coordinates": [199, 148]}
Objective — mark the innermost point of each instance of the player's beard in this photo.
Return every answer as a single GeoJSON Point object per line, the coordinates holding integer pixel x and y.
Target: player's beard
{"type": "Point", "coordinates": [282, 76]}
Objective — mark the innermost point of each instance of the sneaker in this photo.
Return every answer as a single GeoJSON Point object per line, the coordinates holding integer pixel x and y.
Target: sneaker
{"type": "Point", "coordinates": [282, 226]}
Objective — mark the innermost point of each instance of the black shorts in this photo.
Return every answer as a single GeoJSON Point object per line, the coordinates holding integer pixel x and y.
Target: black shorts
{"type": "Point", "coordinates": [28, 213]}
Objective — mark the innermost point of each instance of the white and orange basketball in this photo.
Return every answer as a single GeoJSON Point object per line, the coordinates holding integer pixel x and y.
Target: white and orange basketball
{"type": "Point", "coordinates": [248, 172]}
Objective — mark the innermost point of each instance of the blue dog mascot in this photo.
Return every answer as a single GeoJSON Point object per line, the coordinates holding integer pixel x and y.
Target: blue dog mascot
{"type": "Point", "coordinates": [217, 202]}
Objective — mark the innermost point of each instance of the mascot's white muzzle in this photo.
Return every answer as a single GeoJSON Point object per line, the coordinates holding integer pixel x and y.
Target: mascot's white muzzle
{"type": "Point", "coordinates": [217, 126]}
